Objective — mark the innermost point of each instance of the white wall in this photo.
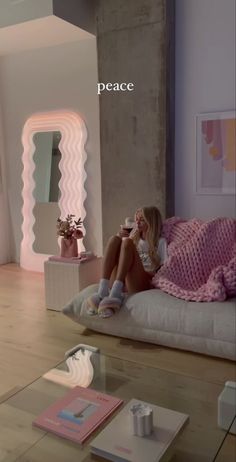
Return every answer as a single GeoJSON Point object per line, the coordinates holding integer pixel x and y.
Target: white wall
{"type": "Point", "coordinates": [14, 12]}
{"type": "Point", "coordinates": [5, 229]}
{"type": "Point", "coordinates": [205, 82]}
{"type": "Point", "coordinates": [59, 77]}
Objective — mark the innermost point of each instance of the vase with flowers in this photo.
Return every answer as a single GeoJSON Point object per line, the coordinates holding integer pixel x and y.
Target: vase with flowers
{"type": "Point", "coordinates": [69, 230]}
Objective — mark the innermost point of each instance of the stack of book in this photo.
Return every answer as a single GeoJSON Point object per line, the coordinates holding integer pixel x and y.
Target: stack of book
{"type": "Point", "coordinates": [118, 443]}
{"type": "Point", "coordinates": [77, 414]}
{"type": "Point", "coordinates": [82, 410]}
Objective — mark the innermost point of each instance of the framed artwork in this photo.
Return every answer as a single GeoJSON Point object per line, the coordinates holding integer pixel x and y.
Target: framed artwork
{"type": "Point", "coordinates": [216, 153]}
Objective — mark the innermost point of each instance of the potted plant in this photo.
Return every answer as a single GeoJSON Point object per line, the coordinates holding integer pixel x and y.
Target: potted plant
{"type": "Point", "coordinates": [69, 230]}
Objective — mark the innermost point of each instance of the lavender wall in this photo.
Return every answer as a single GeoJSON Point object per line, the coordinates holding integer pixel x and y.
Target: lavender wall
{"type": "Point", "coordinates": [205, 82]}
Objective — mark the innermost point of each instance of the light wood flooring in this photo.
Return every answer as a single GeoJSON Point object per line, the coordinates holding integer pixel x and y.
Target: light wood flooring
{"type": "Point", "coordinates": [33, 340]}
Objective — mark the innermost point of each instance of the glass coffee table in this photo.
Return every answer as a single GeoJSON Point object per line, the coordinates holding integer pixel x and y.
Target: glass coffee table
{"type": "Point", "coordinates": [200, 441]}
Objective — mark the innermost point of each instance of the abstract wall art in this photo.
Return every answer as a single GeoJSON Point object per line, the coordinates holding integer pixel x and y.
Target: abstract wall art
{"type": "Point", "coordinates": [216, 153]}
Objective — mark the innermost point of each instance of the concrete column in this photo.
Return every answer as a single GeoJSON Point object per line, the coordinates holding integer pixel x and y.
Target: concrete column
{"type": "Point", "coordinates": [134, 45]}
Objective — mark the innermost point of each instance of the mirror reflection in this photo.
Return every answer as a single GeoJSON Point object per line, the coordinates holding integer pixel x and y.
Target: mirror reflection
{"type": "Point", "coordinates": [47, 175]}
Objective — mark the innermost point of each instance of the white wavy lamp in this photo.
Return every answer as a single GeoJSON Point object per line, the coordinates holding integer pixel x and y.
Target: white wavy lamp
{"type": "Point", "coordinates": [80, 371]}
{"type": "Point", "coordinates": [73, 157]}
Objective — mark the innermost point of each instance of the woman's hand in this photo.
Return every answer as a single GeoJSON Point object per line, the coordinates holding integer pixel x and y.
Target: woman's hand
{"type": "Point", "coordinates": [135, 234]}
{"type": "Point", "coordinates": [123, 232]}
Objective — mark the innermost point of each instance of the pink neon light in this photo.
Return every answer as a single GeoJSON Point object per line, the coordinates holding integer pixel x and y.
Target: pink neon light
{"type": "Point", "coordinates": [73, 194]}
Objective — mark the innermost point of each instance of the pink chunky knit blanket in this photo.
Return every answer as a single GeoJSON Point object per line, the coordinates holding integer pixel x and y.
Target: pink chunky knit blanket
{"type": "Point", "coordinates": [201, 264]}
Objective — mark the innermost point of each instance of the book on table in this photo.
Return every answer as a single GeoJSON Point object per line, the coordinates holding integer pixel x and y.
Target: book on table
{"type": "Point", "coordinates": [77, 414]}
{"type": "Point", "coordinates": [117, 442]}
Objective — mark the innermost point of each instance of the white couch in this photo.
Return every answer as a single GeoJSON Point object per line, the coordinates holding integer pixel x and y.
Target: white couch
{"type": "Point", "coordinates": [156, 317]}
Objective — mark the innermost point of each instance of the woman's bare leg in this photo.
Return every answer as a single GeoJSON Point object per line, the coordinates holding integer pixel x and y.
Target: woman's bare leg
{"type": "Point", "coordinates": [111, 256]}
{"type": "Point", "coordinates": [113, 276]}
{"type": "Point", "coordinates": [110, 261]}
{"type": "Point", "coordinates": [130, 269]}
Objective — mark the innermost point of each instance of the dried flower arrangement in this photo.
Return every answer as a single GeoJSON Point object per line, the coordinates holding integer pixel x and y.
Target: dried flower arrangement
{"type": "Point", "coordinates": [69, 228]}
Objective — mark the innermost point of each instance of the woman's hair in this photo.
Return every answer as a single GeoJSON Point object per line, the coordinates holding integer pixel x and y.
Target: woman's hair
{"type": "Point", "coordinates": [152, 217]}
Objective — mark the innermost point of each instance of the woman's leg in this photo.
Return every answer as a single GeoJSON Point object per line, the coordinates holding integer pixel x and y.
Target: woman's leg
{"type": "Point", "coordinates": [110, 260]}
{"type": "Point", "coordinates": [111, 256]}
{"type": "Point", "coordinates": [113, 276]}
{"type": "Point", "coordinates": [130, 270]}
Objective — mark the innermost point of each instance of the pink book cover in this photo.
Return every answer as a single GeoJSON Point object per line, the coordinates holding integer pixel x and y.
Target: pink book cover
{"type": "Point", "coordinates": [77, 414]}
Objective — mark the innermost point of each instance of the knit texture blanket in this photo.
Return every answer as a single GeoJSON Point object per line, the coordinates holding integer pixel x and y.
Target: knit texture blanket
{"type": "Point", "coordinates": [201, 264]}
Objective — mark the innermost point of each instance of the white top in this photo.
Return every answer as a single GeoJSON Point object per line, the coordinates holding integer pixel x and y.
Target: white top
{"type": "Point", "coordinates": [143, 248]}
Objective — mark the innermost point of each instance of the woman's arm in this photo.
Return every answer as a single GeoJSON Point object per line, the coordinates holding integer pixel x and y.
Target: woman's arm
{"type": "Point", "coordinates": [162, 250]}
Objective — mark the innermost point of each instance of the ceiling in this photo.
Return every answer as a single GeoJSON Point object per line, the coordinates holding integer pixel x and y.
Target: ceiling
{"type": "Point", "coordinates": [39, 33]}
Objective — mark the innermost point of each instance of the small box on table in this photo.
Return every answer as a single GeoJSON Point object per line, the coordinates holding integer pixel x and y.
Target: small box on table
{"type": "Point", "coordinates": [227, 407]}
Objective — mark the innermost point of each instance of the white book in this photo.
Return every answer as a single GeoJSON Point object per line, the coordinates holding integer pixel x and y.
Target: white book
{"type": "Point", "coordinates": [118, 444]}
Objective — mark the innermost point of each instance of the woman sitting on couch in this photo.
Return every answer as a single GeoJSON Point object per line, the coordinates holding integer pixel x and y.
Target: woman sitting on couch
{"type": "Point", "coordinates": [130, 263]}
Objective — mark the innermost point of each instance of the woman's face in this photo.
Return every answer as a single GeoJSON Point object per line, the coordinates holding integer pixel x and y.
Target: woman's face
{"type": "Point", "coordinates": [140, 222]}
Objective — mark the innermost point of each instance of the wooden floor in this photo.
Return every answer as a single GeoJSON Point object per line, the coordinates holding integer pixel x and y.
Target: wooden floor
{"type": "Point", "coordinates": [33, 339]}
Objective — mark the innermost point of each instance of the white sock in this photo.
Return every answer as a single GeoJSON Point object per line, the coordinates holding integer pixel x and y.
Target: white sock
{"type": "Point", "coordinates": [103, 289]}
{"type": "Point", "coordinates": [116, 290]}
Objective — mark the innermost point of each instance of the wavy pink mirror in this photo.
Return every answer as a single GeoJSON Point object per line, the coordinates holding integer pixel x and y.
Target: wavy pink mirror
{"type": "Point", "coordinates": [72, 192]}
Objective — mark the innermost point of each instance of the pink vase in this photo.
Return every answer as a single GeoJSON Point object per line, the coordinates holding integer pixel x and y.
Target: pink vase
{"type": "Point", "coordinates": [69, 248]}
